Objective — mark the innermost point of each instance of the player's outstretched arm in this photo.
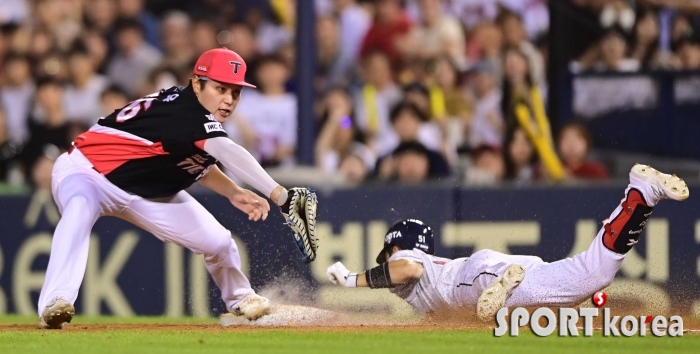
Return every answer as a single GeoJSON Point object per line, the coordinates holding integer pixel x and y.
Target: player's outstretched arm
{"type": "Point", "coordinates": [386, 275]}
{"type": "Point", "coordinates": [244, 166]}
{"type": "Point", "coordinates": [250, 203]}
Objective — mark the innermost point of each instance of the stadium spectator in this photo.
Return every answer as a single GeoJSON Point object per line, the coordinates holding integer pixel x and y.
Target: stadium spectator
{"type": "Point", "coordinates": [176, 28]}
{"type": "Point", "coordinates": [574, 144]}
{"type": "Point", "coordinates": [203, 36]}
{"type": "Point", "coordinates": [334, 67]}
{"type": "Point", "coordinates": [486, 44]}
{"type": "Point", "coordinates": [82, 95]}
{"type": "Point", "coordinates": [681, 29]}
{"type": "Point", "coordinates": [517, 83]}
{"type": "Point", "coordinates": [689, 55]}
{"type": "Point", "coordinates": [339, 147]}
{"type": "Point", "coordinates": [8, 149]}
{"type": "Point", "coordinates": [161, 77]}
{"type": "Point", "coordinates": [520, 157]}
{"type": "Point", "coordinates": [135, 9]}
{"type": "Point", "coordinates": [271, 113]}
{"type": "Point", "coordinates": [374, 101]}
{"type": "Point", "coordinates": [388, 32]}
{"type": "Point", "coordinates": [111, 99]}
{"type": "Point", "coordinates": [437, 33]}
{"type": "Point", "coordinates": [41, 170]}
{"type": "Point", "coordinates": [48, 124]}
{"type": "Point", "coordinates": [354, 24]}
{"type": "Point", "coordinates": [14, 12]}
{"type": "Point", "coordinates": [487, 167]}
{"type": "Point", "coordinates": [16, 96]}
{"type": "Point", "coordinates": [458, 105]}
{"type": "Point", "coordinates": [612, 55]}
{"type": "Point", "coordinates": [409, 123]}
{"type": "Point", "coordinates": [134, 57]}
{"type": "Point", "coordinates": [271, 33]}
{"type": "Point", "coordinates": [475, 12]}
{"type": "Point", "coordinates": [645, 45]}
{"type": "Point", "coordinates": [534, 14]}
{"type": "Point", "coordinates": [97, 48]}
{"type": "Point", "coordinates": [100, 15]}
{"type": "Point", "coordinates": [514, 35]}
{"type": "Point", "coordinates": [487, 123]}
{"type": "Point", "coordinates": [412, 162]}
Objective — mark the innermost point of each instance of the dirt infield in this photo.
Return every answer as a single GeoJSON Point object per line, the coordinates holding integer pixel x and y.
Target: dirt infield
{"type": "Point", "coordinates": [309, 319]}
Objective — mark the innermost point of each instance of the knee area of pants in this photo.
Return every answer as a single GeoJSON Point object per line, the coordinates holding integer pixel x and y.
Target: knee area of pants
{"type": "Point", "coordinates": [223, 250]}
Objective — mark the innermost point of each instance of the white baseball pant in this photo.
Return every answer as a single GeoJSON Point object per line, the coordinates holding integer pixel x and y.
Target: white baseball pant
{"type": "Point", "coordinates": [83, 195]}
{"type": "Point", "coordinates": [567, 282]}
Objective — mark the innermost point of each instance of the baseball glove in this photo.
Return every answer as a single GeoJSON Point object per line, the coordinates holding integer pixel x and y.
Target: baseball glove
{"type": "Point", "coordinates": [300, 213]}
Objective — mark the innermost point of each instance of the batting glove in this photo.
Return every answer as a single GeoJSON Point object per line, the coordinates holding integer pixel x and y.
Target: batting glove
{"type": "Point", "coordinates": [339, 275]}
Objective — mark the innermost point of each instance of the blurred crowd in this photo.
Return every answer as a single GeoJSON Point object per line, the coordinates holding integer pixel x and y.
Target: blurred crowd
{"type": "Point", "coordinates": [407, 90]}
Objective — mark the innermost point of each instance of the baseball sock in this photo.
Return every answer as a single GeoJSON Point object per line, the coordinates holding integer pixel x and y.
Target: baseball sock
{"type": "Point", "coordinates": [624, 227]}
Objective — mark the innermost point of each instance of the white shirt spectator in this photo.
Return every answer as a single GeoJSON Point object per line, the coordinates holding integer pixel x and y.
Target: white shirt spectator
{"type": "Point", "coordinates": [354, 24]}
{"type": "Point", "coordinates": [385, 99]}
{"type": "Point", "coordinates": [129, 71]}
{"type": "Point", "coordinates": [534, 13]}
{"type": "Point", "coordinates": [474, 12]}
{"type": "Point", "coordinates": [13, 11]}
{"type": "Point", "coordinates": [429, 134]}
{"type": "Point", "coordinates": [435, 40]}
{"type": "Point", "coordinates": [16, 101]}
{"type": "Point", "coordinates": [273, 119]}
{"type": "Point", "coordinates": [84, 105]}
{"type": "Point", "coordinates": [271, 37]}
{"type": "Point", "coordinates": [483, 132]}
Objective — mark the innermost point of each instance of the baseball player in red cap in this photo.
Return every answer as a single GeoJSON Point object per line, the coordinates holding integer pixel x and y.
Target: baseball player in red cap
{"type": "Point", "coordinates": [135, 164]}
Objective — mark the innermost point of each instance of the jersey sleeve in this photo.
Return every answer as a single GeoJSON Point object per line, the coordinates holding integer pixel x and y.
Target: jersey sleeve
{"type": "Point", "coordinates": [205, 126]}
{"type": "Point", "coordinates": [407, 254]}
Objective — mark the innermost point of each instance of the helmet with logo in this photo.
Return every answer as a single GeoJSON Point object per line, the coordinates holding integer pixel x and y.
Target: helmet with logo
{"type": "Point", "coordinates": [222, 65]}
{"type": "Point", "coordinates": [408, 234]}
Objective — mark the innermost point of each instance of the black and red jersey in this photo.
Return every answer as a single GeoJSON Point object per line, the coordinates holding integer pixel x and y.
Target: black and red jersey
{"type": "Point", "coordinates": [153, 146]}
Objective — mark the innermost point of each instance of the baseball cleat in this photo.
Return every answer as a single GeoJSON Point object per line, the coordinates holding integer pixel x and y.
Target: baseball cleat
{"type": "Point", "coordinates": [494, 296]}
{"type": "Point", "coordinates": [56, 313]}
{"type": "Point", "coordinates": [664, 186]}
{"type": "Point", "coordinates": [253, 306]}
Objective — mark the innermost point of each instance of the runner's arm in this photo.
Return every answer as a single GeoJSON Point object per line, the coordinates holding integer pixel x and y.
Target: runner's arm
{"type": "Point", "coordinates": [386, 275]}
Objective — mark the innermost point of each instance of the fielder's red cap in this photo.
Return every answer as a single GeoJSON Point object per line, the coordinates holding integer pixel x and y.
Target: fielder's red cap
{"type": "Point", "coordinates": [222, 65]}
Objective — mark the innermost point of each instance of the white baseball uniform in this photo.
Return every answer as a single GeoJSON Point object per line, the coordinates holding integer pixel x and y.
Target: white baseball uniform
{"type": "Point", "coordinates": [567, 282]}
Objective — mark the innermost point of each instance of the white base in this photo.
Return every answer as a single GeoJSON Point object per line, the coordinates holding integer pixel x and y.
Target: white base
{"type": "Point", "coordinates": [284, 315]}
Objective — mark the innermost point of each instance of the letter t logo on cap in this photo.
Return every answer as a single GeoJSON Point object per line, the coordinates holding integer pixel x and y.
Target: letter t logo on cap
{"type": "Point", "coordinates": [235, 66]}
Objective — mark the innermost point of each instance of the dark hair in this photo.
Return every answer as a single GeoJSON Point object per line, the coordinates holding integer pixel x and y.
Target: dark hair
{"type": "Point", "coordinates": [507, 102]}
{"type": "Point", "coordinates": [411, 146]}
{"type": "Point", "coordinates": [580, 129]}
{"type": "Point", "coordinates": [511, 173]}
{"type": "Point", "coordinates": [478, 151]}
{"type": "Point", "coordinates": [416, 87]}
{"type": "Point", "coordinates": [48, 81]}
{"type": "Point", "coordinates": [78, 48]}
{"type": "Point", "coordinates": [271, 59]}
{"type": "Point", "coordinates": [113, 89]}
{"type": "Point", "coordinates": [15, 56]}
{"type": "Point", "coordinates": [123, 24]}
{"type": "Point", "coordinates": [407, 106]}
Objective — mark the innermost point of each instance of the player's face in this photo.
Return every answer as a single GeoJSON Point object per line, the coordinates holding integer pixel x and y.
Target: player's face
{"type": "Point", "coordinates": [218, 98]}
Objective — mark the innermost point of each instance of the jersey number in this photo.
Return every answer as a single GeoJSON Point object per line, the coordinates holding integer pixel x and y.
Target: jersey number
{"type": "Point", "coordinates": [135, 107]}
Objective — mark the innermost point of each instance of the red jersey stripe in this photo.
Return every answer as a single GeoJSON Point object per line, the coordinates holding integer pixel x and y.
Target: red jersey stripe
{"type": "Point", "coordinates": [106, 151]}
{"type": "Point", "coordinates": [200, 144]}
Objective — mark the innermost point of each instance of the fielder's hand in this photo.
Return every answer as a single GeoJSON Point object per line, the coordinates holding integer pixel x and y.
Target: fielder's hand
{"type": "Point", "coordinates": [251, 204]}
{"type": "Point", "coordinates": [339, 275]}
{"type": "Point", "coordinates": [300, 213]}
